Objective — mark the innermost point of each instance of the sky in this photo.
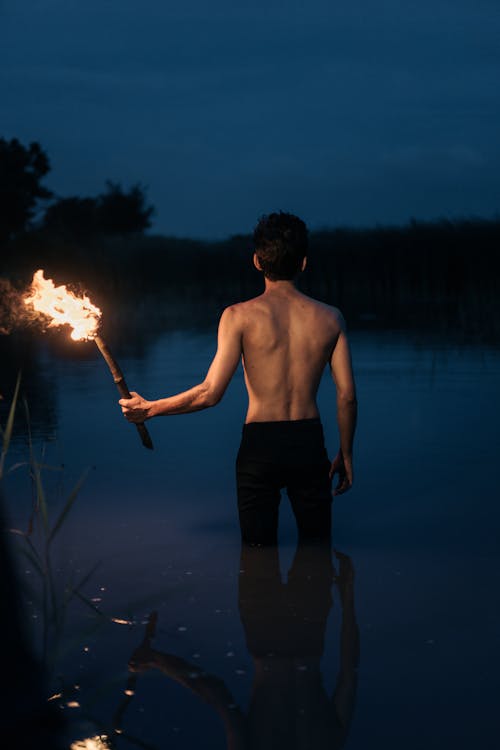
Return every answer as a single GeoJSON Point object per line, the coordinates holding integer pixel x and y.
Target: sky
{"type": "Point", "coordinates": [347, 113]}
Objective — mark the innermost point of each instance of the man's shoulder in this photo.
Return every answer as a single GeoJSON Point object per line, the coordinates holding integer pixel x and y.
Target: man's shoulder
{"type": "Point", "coordinates": [235, 316]}
{"type": "Point", "coordinates": [239, 309]}
{"type": "Point", "coordinates": [328, 311]}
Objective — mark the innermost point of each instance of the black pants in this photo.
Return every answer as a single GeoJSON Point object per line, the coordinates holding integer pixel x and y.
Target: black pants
{"type": "Point", "coordinates": [274, 455]}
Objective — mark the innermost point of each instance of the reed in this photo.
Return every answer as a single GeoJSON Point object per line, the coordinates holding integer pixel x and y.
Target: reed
{"type": "Point", "coordinates": [6, 433]}
{"type": "Point", "coordinates": [37, 541]}
{"type": "Point", "coordinates": [42, 528]}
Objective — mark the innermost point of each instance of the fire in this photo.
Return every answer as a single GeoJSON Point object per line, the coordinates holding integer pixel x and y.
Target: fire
{"type": "Point", "coordinates": [63, 307]}
{"type": "Point", "coordinates": [91, 743]}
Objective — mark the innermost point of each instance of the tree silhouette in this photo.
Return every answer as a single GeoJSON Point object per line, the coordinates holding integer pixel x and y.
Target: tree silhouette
{"type": "Point", "coordinates": [113, 212]}
{"type": "Point", "coordinates": [21, 172]}
{"type": "Point", "coordinates": [77, 217]}
{"type": "Point", "coordinates": [121, 212]}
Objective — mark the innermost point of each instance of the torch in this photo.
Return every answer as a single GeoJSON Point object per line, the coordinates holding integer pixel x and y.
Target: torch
{"type": "Point", "coordinates": [62, 307]}
{"type": "Point", "coordinates": [122, 386]}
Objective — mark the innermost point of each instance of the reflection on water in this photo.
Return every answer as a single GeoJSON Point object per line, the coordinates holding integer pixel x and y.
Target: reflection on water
{"type": "Point", "coordinates": [159, 533]}
{"type": "Point", "coordinates": [284, 625]}
{"type": "Point", "coordinates": [285, 630]}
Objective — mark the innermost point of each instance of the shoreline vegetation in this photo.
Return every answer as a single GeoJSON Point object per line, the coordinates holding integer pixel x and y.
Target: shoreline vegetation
{"type": "Point", "coordinates": [434, 275]}
{"type": "Point", "coordinates": [439, 281]}
{"type": "Point", "coordinates": [442, 275]}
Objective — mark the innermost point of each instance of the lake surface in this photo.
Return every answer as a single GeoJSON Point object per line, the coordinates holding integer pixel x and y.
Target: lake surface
{"type": "Point", "coordinates": [389, 640]}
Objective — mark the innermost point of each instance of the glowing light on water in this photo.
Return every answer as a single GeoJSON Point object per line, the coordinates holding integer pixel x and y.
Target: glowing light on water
{"type": "Point", "coordinates": [121, 622]}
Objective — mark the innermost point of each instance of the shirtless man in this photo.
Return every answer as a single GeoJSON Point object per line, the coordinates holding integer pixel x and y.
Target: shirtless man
{"type": "Point", "coordinates": [284, 339]}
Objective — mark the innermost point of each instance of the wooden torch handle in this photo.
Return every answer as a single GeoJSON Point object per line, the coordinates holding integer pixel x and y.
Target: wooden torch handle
{"type": "Point", "coordinates": [122, 387]}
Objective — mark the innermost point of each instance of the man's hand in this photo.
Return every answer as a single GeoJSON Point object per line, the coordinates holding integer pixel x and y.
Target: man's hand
{"type": "Point", "coordinates": [142, 659]}
{"type": "Point", "coordinates": [136, 409]}
{"type": "Point", "coordinates": [343, 467]}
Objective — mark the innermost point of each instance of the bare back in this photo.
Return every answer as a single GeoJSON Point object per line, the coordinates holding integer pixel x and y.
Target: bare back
{"type": "Point", "coordinates": [287, 340]}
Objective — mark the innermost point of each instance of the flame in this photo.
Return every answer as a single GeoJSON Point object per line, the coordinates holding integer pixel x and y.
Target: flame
{"type": "Point", "coordinates": [64, 307]}
{"type": "Point", "coordinates": [91, 743]}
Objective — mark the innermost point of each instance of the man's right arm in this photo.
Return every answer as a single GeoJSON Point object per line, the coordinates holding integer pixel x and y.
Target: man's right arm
{"type": "Point", "coordinates": [205, 394]}
{"type": "Point", "coordinates": [347, 407]}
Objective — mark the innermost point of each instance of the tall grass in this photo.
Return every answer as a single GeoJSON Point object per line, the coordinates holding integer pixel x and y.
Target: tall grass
{"type": "Point", "coordinates": [6, 433]}
{"type": "Point", "coordinates": [42, 528]}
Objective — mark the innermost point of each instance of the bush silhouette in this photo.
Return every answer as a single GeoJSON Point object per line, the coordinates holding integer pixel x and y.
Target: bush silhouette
{"type": "Point", "coordinates": [114, 212]}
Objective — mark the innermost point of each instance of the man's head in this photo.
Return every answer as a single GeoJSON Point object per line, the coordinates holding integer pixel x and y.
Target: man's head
{"type": "Point", "coordinates": [280, 242]}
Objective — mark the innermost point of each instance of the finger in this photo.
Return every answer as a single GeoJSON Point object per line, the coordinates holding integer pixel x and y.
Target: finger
{"type": "Point", "coordinates": [342, 487]}
{"type": "Point", "coordinates": [337, 469]}
{"type": "Point", "coordinates": [341, 479]}
{"type": "Point", "coordinates": [346, 484]}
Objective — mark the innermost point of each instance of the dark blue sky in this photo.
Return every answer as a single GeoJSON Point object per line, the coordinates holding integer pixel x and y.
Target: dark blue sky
{"type": "Point", "coordinates": [343, 112]}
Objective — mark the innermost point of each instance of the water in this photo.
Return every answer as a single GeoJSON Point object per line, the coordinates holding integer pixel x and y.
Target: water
{"type": "Point", "coordinates": [244, 648]}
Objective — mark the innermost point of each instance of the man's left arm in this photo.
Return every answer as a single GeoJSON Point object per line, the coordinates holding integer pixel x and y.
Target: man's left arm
{"type": "Point", "coordinates": [209, 392]}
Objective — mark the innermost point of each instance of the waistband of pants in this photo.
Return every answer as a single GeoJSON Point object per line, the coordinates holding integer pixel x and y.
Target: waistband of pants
{"type": "Point", "coordinates": [288, 441]}
{"type": "Point", "coordinates": [287, 425]}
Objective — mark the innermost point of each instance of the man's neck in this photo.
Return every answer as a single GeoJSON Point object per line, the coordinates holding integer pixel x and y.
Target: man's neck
{"type": "Point", "coordinates": [282, 285]}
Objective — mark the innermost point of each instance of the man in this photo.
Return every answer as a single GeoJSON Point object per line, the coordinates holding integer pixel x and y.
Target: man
{"type": "Point", "coordinates": [285, 339]}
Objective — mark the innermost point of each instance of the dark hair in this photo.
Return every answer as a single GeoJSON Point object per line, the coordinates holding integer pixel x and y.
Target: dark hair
{"type": "Point", "coordinates": [280, 242]}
